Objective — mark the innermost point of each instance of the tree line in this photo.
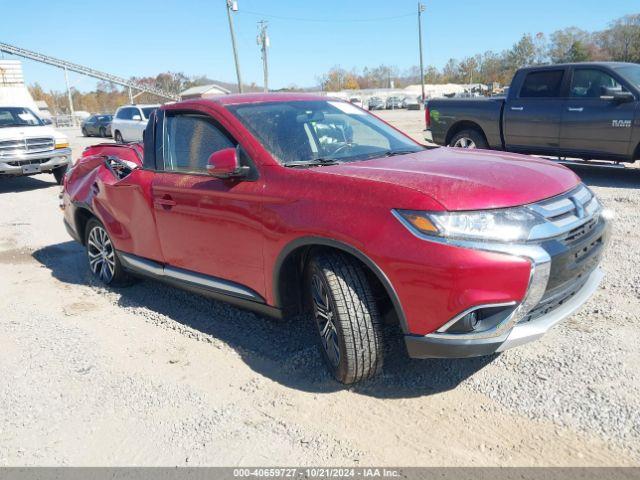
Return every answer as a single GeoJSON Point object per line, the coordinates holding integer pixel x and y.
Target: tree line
{"type": "Point", "coordinates": [619, 42]}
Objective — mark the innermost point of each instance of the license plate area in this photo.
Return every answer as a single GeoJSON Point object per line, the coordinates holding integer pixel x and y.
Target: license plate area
{"type": "Point", "coordinates": [26, 169]}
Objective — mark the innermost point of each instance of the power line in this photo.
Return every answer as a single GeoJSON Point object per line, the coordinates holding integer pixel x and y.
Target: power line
{"type": "Point", "coordinates": [329, 20]}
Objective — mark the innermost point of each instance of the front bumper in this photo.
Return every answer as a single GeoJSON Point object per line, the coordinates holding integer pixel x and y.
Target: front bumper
{"type": "Point", "coordinates": [433, 346]}
{"type": "Point", "coordinates": [32, 163]}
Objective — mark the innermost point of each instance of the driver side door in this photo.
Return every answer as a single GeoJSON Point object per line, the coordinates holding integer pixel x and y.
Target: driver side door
{"type": "Point", "coordinates": [209, 228]}
{"type": "Point", "coordinates": [592, 124]}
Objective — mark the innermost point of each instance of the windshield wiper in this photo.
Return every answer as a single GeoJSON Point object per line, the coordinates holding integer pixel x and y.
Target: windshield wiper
{"type": "Point", "coordinates": [393, 153]}
{"type": "Point", "coordinates": [312, 163]}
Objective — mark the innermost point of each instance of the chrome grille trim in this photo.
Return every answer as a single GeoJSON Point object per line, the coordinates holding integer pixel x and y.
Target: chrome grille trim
{"type": "Point", "coordinates": [10, 148]}
{"type": "Point", "coordinates": [564, 213]}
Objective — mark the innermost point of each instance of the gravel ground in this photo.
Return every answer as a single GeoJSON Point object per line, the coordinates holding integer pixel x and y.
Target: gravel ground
{"type": "Point", "coordinates": [150, 375]}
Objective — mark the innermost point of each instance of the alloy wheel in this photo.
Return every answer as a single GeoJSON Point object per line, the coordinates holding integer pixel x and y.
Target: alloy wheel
{"type": "Point", "coordinates": [325, 319]}
{"type": "Point", "coordinates": [464, 142]}
{"type": "Point", "coordinates": [102, 258]}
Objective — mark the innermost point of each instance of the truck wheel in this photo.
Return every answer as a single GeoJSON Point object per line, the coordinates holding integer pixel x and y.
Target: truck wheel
{"type": "Point", "coordinates": [346, 316]}
{"type": "Point", "coordinates": [58, 173]}
{"type": "Point", "coordinates": [101, 255]}
{"type": "Point", "coordinates": [118, 137]}
{"type": "Point", "coordinates": [468, 139]}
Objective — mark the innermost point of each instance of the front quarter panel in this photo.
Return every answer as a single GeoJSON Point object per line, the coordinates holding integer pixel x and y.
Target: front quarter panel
{"type": "Point", "coordinates": [433, 282]}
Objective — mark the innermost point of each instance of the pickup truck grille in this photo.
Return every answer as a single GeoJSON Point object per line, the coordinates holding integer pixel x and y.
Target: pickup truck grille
{"type": "Point", "coordinates": [10, 148]}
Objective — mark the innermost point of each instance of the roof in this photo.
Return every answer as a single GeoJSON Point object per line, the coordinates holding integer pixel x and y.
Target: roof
{"type": "Point", "coordinates": [579, 64]}
{"type": "Point", "coordinates": [265, 97]}
{"type": "Point", "coordinates": [202, 89]}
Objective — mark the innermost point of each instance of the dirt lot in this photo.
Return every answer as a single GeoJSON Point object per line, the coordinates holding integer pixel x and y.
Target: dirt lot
{"type": "Point", "coordinates": [150, 375]}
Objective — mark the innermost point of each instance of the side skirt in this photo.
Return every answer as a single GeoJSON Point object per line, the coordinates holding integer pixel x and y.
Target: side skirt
{"type": "Point", "coordinates": [205, 285]}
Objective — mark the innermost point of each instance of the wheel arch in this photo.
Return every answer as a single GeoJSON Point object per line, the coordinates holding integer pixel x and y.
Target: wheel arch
{"type": "Point", "coordinates": [464, 125]}
{"type": "Point", "coordinates": [288, 273]}
{"type": "Point", "coordinates": [81, 217]}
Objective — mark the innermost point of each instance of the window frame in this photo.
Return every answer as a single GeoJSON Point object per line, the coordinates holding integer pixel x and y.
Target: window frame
{"type": "Point", "coordinates": [161, 131]}
{"type": "Point", "coordinates": [611, 72]}
{"type": "Point", "coordinates": [562, 88]}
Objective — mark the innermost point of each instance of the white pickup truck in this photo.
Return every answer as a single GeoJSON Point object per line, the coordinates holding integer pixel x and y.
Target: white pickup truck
{"type": "Point", "coordinates": [28, 146]}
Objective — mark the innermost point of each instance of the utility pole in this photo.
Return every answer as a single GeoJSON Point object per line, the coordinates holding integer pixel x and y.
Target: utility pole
{"type": "Point", "coordinates": [263, 41]}
{"type": "Point", "coordinates": [66, 80]}
{"type": "Point", "coordinates": [232, 5]}
{"type": "Point", "coordinates": [421, 8]}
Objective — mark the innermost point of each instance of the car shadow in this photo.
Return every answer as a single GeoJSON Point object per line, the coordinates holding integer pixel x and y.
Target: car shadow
{"type": "Point", "coordinates": [282, 350]}
{"type": "Point", "coordinates": [598, 176]}
{"type": "Point", "coordinates": [24, 184]}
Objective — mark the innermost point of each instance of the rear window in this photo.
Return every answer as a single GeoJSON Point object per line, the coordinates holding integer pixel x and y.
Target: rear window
{"type": "Point", "coordinates": [543, 84]}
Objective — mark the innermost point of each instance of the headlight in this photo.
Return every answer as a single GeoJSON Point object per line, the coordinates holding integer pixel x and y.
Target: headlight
{"type": "Point", "coordinates": [504, 225]}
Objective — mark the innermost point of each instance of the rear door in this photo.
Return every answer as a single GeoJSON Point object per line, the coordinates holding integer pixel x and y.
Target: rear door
{"type": "Point", "coordinates": [206, 225]}
{"type": "Point", "coordinates": [532, 116]}
{"type": "Point", "coordinates": [593, 124]}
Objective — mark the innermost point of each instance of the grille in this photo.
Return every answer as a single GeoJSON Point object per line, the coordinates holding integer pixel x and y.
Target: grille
{"type": "Point", "coordinates": [25, 146]}
{"type": "Point", "coordinates": [566, 215]}
{"type": "Point", "coordinates": [574, 238]}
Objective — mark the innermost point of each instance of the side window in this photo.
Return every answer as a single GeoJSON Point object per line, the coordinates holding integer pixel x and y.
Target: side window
{"type": "Point", "coordinates": [135, 112]}
{"type": "Point", "coordinates": [542, 84]}
{"type": "Point", "coordinates": [124, 114]}
{"type": "Point", "coordinates": [189, 140]}
{"type": "Point", "coordinates": [592, 83]}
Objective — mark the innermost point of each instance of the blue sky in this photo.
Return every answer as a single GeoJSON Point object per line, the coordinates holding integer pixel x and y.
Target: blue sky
{"type": "Point", "coordinates": [145, 37]}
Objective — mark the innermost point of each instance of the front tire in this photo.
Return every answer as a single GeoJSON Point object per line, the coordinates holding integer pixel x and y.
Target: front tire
{"type": "Point", "coordinates": [102, 257]}
{"type": "Point", "coordinates": [469, 139]}
{"type": "Point", "coordinates": [118, 137]}
{"type": "Point", "coordinates": [346, 316]}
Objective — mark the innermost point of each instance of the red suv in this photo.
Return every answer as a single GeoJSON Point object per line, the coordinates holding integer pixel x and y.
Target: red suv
{"type": "Point", "coordinates": [290, 203]}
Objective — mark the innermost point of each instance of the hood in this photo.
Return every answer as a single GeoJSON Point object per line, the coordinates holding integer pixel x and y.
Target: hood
{"type": "Point", "coordinates": [467, 179]}
{"type": "Point", "coordinates": [18, 133]}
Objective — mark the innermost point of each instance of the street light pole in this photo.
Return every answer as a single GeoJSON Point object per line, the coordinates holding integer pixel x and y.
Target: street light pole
{"type": "Point", "coordinates": [263, 41]}
{"type": "Point", "coordinates": [421, 8]}
{"type": "Point", "coordinates": [233, 5]}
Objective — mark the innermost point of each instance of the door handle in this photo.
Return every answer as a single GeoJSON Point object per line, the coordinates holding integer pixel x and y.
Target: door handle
{"type": "Point", "coordinates": [575, 109]}
{"type": "Point", "coordinates": [165, 202]}
{"type": "Point", "coordinates": [517, 109]}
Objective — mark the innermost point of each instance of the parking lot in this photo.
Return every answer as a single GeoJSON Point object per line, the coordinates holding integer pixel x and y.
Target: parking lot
{"type": "Point", "coordinates": [150, 375]}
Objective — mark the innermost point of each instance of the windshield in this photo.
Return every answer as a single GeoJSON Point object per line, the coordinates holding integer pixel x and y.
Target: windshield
{"type": "Point", "coordinates": [631, 73]}
{"type": "Point", "coordinates": [307, 131]}
{"type": "Point", "coordinates": [148, 111]}
{"type": "Point", "coordinates": [18, 117]}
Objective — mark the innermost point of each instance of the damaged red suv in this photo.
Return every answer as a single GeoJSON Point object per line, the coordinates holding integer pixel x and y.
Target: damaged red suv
{"type": "Point", "coordinates": [290, 203]}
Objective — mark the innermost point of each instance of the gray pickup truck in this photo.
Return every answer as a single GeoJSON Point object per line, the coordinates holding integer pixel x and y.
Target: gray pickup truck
{"type": "Point", "coordinates": [581, 110]}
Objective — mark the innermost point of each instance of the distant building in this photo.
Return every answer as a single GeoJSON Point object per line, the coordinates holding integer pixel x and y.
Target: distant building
{"type": "Point", "coordinates": [204, 91]}
{"type": "Point", "coordinates": [13, 91]}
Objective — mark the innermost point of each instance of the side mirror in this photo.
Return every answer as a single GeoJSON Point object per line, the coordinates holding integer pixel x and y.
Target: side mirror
{"type": "Point", "coordinates": [136, 118]}
{"type": "Point", "coordinates": [616, 95]}
{"type": "Point", "coordinates": [224, 164]}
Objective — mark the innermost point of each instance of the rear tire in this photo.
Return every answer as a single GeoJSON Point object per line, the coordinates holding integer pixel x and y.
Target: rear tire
{"type": "Point", "coordinates": [103, 132]}
{"type": "Point", "coordinates": [346, 317]}
{"type": "Point", "coordinates": [102, 258]}
{"type": "Point", "coordinates": [469, 139]}
{"type": "Point", "coordinates": [59, 173]}
{"type": "Point", "coordinates": [118, 137]}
